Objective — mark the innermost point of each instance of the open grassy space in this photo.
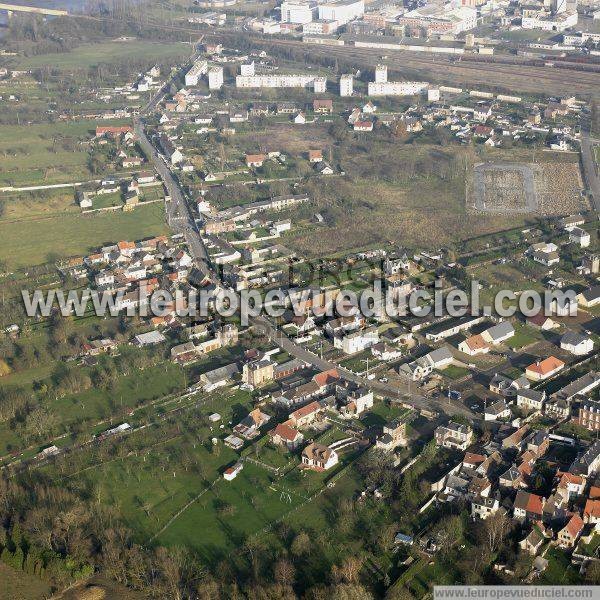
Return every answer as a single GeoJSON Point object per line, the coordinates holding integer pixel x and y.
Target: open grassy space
{"type": "Point", "coordinates": [34, 242]}
{"type": "Point", "coordinates": [90, 55]}
{"type": "Point", "coordinates": [18, 585]}
{"type": "Point", "coordinates": [48, 153]}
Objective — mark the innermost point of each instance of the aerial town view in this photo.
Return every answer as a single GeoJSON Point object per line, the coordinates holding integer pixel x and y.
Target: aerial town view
{"type": "Point", "coordinates": [299, 299]}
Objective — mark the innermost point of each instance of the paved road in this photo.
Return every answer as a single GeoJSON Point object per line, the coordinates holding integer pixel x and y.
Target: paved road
{"type": "Point", "coordinates": [400, 392]}
{"type": "Point", "coordinates": [181, 220]}
{"type": "Point", "coordinates": [589, 164]}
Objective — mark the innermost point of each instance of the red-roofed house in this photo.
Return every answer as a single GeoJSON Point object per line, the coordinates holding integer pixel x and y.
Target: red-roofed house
{"type": "Point", "coordinates": [591, 512]}
{"type": "Point", "coordinates": [528, 506]}
{"type": "Point", "coordinates": [327, 378]}
{"type": "Point", "coordinates": [568, 536]}
{"type": "Point", "coordinates": [305, 415]}
{"type": "Point", "coordinates": [483, 131]}
{"type": "Point", "coordinates": [323, 106]}
{"type": "Point", "coordinates": [572, 484]}
{"type": "Point", "coordinates": [544, 368]}
{"type": "Point", "coordinates": [363, 126]}
{"type": "Point", "coordinates": [114, 131]}
{"type": "Point", "coordinates": [284, 435]}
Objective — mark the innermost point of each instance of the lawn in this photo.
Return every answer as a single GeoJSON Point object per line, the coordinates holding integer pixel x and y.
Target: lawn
{"type": "Point", "coordinates": [454, 372]}
{"type": "Point", "coordinates": [524, 336]}
{"type": "Point", "coordinates": [32, 242]}
{"type": "Point", "coordinates": [90, 55]}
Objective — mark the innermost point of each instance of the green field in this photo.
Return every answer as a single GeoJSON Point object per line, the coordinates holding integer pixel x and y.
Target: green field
{"type": "Point", "coordinates": [45, 154]}
{"type": "Point", "coordinates": [90, 55]}
{"type": "Point", "coordinates": [35, 242]}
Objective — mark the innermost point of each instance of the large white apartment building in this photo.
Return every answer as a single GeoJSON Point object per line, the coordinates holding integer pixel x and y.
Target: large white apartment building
{"type": "Point", "coordinates": [342, 11]}
{"type": "Point", "coordinates": [319, 84]}
{"type": "Point", "coordinates": [396, 88]}
{"type": "Point", "coordinates": [215, 78]}
{"type": "Point", "coordinates": [381, 74]}
{"type": "Point", "coordinates": [547, 22]}
{"type": "Point", "coordinates": [199, 68]}
{"type": "Point", "coordinates": [296, 11]}
{"type": "Point", "coordinates": [346, 85]}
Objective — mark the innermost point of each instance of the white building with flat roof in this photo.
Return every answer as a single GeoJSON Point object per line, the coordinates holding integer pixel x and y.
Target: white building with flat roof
{"type": "Point", "coordinates": [397, 88]}
{"type": "Point", "coordinates": [215, 78]}
{"type": "Point", "coordinates": [199, 68]}
{"type": "Point", "coordinates": [342, 11]}
{"type": "Point", "coordinates": [346, 85]}
{"type": "Point", "coordinates": [247, 68]}
{"type": "Point", "coordinates": [298, 12]}
{"type": "Point", "coordinates": [381, 74]}
{"type": "Point", "coordinates": [318, 84]}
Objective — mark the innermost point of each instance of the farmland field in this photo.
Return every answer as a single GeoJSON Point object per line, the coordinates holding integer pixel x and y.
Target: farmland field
{"type": "Point", "coordinates": [89, 55]}
{"type": "Point", "coordinates": [34, 242]}
{"type": "Point", "coordinates": [46, 154]}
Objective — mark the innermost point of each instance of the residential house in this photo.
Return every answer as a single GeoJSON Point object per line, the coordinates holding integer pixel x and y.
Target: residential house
{"type": "Point", "coordinates": [576, 343]}
{"type": "Point", "coordinates": [544, 369]}
{"type": "Point", "coordinates": [580, 237]}
{"type": "Point", "coordinates": [588, 462]}
{"type": "Point", "coordinates": [284, 435]}
{"type": "Point", "coordinates": [394, 435]}
{"type": "Point", "coordinates": [572, 485]}
{"type": "Point", "coordinates": [363, 125]}
{"type": "Point", "coordinates": [511, 478]}
{"type": "Point", "coordinates": [484, 507]}
{"type": "Point", "coordinates": [306, 415]}
{"type": "Point", "coordinates": [498, 333]}
{"type": "Point", "coordinates": [589, 297]}
{"type": "Point", "coordinates": [588, 414]}
{"type": "Point", "coordinates": [255, 160]}
{"type": "Point", "coordinates": [232, 472]}
{"type": "Point", "coordinates": [534, 541]}
{"type": "Point", "coordinates": [249, 426]}
{"type": "Point", "coordinates": [453, 435]}
{"type": "Point", "coordinates": [496, 410]}
{"type": "Point", "coordinates": [569, 534]}
{"type": "Point", "coordinates": [258, 372]}
{"type": "Point", "coordinates": [315, 156]}
{"type": "Point", "coordinates": [529, 399]}
{"type": "Point", "coordinates": [319, 457]}
{"type": "Point", "coordinates": [541, 321]}
{"type": "Point", "coordinates": [323, 106]}
{"type": "Point", "coordinates": [528, 506]}
{"type": "Point", "coordinates": [474, 345]}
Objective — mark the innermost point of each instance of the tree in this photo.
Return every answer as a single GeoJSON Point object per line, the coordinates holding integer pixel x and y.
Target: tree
{"type": "Point", "coordinates": [496, 528]}
{"type": "Point", "coordinates": [301, 544]}
{"type": "Point", "coordinates": [284, 572]}
{"type": "Point", "coordinates": [348, 571]}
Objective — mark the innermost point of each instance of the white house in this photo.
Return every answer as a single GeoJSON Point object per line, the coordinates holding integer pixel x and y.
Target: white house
{"type": "Point", "coordinates": [576, 343]}
{"type": "Point", "coordinates": [232, 472]}
{"type": "Point", "coordinates": [579, 236]}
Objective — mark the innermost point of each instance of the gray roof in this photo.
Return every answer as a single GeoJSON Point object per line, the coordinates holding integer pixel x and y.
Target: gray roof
{"type": "Point", "coordinates": [585, 383]}
{"type": "Point", "coordinates": [573, 338]}
{"type": "Point", "coordinates": [500, 330]}
{"type": "Point", "coordinates": [582, 464]}
{"type": "Point", "coordinates": [440, 354]}
{"type": "Point", "coordinates": [221, 374]}
{"type": "Point", "coordinates": [591, 293]}
{"type": "Point", "coordinates": [151, 337]}
{"type": "Point", "coordinates": [496, 408]}
{"type": "Point", "coordinates": [536, 395]}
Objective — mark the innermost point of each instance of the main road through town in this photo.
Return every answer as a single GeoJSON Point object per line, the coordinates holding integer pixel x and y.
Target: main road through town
{"type": "Point", "coordinates": [181, 220]}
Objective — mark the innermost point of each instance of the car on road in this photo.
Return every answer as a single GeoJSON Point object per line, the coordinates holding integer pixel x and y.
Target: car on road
{"type": "Point", "coordinates": [383, 380]}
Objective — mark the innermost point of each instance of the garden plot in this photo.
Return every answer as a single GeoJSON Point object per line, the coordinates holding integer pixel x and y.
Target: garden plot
{"type": "Point", "coordinates": [521, 188]}
{"type": "Point", "coordinates": [504, 188]}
